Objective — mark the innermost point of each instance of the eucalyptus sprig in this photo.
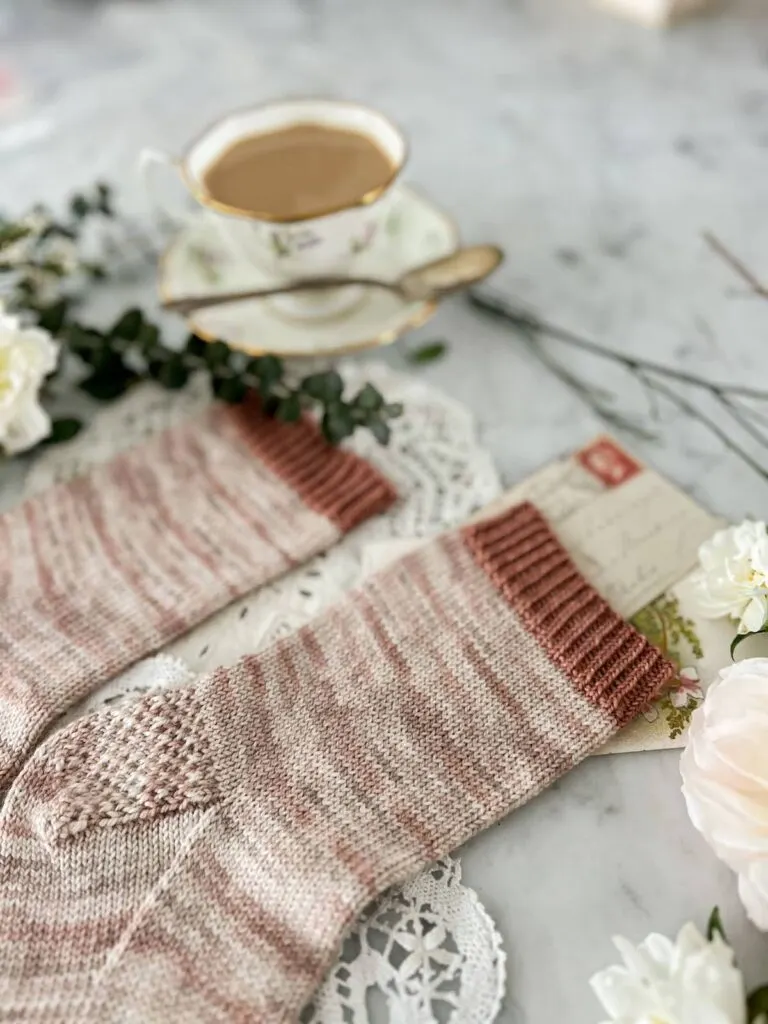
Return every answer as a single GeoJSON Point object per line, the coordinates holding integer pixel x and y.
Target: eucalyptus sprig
{"type": "Point", "coordinates": [46, 275]}
{"type": "Point", "coordinates": [132, 350]}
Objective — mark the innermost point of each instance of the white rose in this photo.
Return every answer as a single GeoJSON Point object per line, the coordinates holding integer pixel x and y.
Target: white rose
{"type": "Point", "coordinates": [690, 981]}
{"type": "Point", "coordinates": [725, 777]}
{"type": "Point", "coordinates": [733, 576]}
{"type": "Point", "coordinates": [27, 356]}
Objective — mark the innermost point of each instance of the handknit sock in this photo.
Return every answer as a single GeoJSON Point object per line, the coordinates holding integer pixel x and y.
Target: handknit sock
{"type": "Point", "coordinates": [197, 856]}
{"type": "Point", "coordinates": [98, 572]}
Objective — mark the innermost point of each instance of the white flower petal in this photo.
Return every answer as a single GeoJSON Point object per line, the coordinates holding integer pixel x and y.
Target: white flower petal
{"type": "Point", "coordinates": [733, 575]}
{"type": "Point", "coordinates": [725, 776]}
{"type": "Point", "coordinates": [622, 995]}
{"type": "Point", "coordinates": [9, 325]}
{"type": "Point", "coordinates": [689, 981]}
{"type": "Point", "coordinates": [753, 891]}
{"type": "Point", "coordinates": [30, 426]}
{"type": "Point", "coordinates": [754, 615]}
{"type": "Point", "coordinates": [27, 356]}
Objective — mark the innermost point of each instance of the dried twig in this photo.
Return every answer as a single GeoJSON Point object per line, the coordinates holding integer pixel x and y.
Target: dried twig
{"type": "Point", "coordinates": [760, 415]}
{"type": "Point", "coordinates": [522, 319]}
{"type": "Point", "coordinates": [714, 428]}
{"type": "Point", "coordinates": [653, 377]}
{"type": "Point", "coordinates": [596, 398]}
{"type": "Point", "coordinates": [739, 415]}
{"type": "Point", "coordinates": [755, 284]}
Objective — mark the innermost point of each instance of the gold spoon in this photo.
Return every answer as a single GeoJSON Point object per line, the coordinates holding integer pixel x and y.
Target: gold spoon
{"type": "Point", "coordinates": [431, 280]}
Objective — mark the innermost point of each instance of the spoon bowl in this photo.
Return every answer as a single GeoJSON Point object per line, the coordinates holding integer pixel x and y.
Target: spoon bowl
{"type": "Point", "coordinates": [462, 268]}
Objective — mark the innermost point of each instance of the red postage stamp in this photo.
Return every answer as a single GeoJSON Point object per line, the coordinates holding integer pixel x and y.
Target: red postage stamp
{"type": "Point", "coordinates": [608, 462]}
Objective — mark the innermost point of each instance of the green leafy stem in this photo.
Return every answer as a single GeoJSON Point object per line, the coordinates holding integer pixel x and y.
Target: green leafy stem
{"type": "Point", "coordinates": [37, 252]}
{"type": "Point", "coordinates": [132, 350]}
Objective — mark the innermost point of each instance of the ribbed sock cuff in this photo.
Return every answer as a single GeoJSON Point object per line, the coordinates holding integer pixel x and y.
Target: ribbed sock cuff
{"type": "Point", "coordinates": [604, 657]}
{"type": "Point", "coordinates": [331, 481]}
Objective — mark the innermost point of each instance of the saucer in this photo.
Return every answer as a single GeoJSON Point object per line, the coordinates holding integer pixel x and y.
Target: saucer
{"type": "Point", "coordinates": [198, 261]}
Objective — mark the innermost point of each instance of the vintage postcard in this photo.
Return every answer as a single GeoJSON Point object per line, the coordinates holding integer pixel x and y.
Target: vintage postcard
{"type": "Point", "coordinates": [635, 536]}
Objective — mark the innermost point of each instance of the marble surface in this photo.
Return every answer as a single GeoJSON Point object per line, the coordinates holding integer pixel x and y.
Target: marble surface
{"type": "Point", "coordinates": [595, 152]}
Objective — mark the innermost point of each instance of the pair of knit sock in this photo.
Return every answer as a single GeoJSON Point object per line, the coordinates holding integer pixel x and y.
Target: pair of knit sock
{"type": "Point", "coordinates": [197, 855]}
{"type": "Point", "coordinates": [105, 569]}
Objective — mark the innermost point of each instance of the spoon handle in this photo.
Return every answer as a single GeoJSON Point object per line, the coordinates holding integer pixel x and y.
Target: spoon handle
{"type": "Point", "coordinates": [190, 303]}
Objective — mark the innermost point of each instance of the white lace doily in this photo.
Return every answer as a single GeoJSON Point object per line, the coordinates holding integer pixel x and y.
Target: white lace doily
{"type": "Point", "coordinates": [427, 953]}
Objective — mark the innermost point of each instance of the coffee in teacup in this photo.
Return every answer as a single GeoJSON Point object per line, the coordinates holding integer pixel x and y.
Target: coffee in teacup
{"type": "Point", "coordinates": [304, 170]}
{"type": "Point", "coordinates": [298, 187]}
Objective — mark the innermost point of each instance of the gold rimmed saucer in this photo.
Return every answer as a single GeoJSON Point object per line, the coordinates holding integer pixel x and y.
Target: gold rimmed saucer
{"type": "Point", "coordinates": [199, 260]}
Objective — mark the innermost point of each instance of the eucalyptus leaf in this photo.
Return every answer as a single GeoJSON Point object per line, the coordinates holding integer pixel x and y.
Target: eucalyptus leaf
{"type": "Point", "coordinates": [289, 409]}
{"type": "Point", "coordinates": [757, 1003]}
{"type": "Point", "coordinates": [81, 341]}
{"type": "Point", "coordinates": [129, 325]}
{"type": "Point", "coordinates": [64, 429]}
{"type": "Point", "coordinates": [79, 207]}
{"type": "Point", "coordinates": [369, 398]}
{"type": "Point", "coordinates": [216, 354]}
{"type": "Point", "coordinates": [108, 382]}
{"type": "Point", "coordinates": [148, 337]}
{"type": "Point", "coordinates": [51, 318]}
{"type": "Point", "coordinates": [337, 423]}
{"type": "Point", "coordinates": [106, 359]}
{"type": "Point", "coordinates": [268, 370]}
{"type": "Point", "coordinates": [173, 373]}
{"type": "Point", "coordinates": [195, 346]}
{"type": "Point", "coordinates": [715, 925]}
{"type": "Point", "coordinates": [105, 388]}
{"type": "Point", "coordinates": [104, 199]}
{"type": "Point", "coordinates": [381, 431]}
{"type": "Point", "coordinates": [229, 389]}
{"type": "Point", "coordinates": [428, 353]}
{"type": "Point", "coordinates": [325, 387]}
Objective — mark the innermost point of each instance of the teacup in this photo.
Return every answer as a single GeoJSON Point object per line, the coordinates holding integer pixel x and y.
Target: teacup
{"type": "Point", "coordinates": [326, 243]}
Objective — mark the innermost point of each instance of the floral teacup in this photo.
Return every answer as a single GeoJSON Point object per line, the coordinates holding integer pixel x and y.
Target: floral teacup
{"type": "Point", "coordinates": [291, 248]}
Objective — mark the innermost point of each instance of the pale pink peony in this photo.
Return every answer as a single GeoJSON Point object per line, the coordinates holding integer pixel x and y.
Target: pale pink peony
{"type": "Point", "coordinates": [725, 777]}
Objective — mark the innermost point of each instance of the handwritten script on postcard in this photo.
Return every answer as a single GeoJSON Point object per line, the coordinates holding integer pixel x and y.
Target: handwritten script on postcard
{"type": "Point", "coordinates": [630, 532]}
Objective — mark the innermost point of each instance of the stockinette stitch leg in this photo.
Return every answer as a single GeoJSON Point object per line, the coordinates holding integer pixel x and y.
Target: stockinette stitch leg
{"type": "Point", "coordinates": [198, 855]}
{"type": "Point", "coordinates": [107, 568]}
